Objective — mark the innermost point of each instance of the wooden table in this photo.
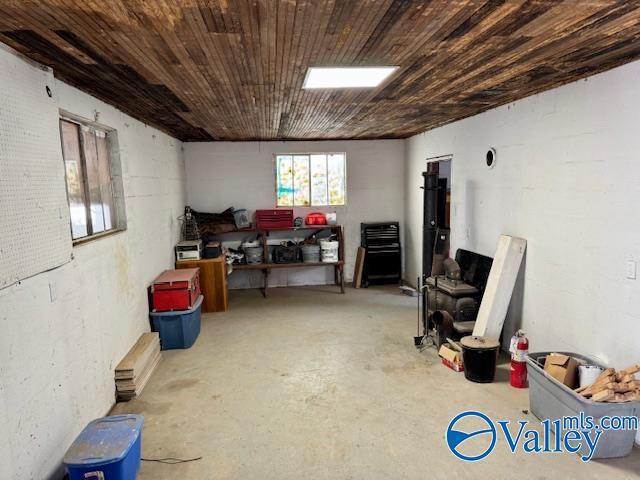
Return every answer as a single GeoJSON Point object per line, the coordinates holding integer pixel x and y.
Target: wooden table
{"type": "Point", "coordinates": [213, 281]}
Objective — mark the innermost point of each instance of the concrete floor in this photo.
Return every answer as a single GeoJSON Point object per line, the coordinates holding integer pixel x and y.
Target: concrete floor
{"type": "Point", "coordinates": [313, 384]}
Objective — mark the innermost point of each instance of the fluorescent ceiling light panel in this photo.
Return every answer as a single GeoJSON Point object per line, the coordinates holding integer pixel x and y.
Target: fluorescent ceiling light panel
{"type": "Point", "coordinates": [346, 77]}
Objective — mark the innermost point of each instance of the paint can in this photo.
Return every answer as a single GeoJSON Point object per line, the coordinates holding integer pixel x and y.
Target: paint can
{"type": "Point", "coordinates": [310, 253]}
{"type": "Point", "coordinates": [253, 252]}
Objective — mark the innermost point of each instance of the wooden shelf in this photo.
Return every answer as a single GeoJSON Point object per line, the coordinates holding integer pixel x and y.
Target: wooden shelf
{"type": "Point", "coordinates": [265, 266]}
{"type": "Point", "coordinates": [281, 229]}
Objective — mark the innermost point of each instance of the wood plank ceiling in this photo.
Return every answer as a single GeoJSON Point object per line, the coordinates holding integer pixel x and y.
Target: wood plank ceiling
{"type": "Point", "coordinates": [233, 69]}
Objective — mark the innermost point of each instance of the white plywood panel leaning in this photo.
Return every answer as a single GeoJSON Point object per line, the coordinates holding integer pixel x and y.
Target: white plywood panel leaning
{"type": "Point", "coordinates": [502, 278]}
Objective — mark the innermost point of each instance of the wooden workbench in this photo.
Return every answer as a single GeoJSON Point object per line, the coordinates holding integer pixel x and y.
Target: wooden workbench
{"type": "Point", "coordinates": [267, 266]}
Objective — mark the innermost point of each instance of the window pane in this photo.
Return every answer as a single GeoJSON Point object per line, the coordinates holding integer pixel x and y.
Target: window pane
{"type": "Point", "coordinates": [106, 191]}
{"type": "Point", "coordinates": [319, 180]}
{"type": "Point", "coordinates": [284, 165]}
{"type": "Point", "coordinates": [301, 180]}
{"type": "Point", "coordinates": [336, 174]}
{"type": "Point", "coordinates": [93, 180]}
{"type": "Point", "coordinates": [74, 176]}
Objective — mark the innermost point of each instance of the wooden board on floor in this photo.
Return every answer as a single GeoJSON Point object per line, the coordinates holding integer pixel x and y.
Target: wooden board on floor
{"type": "Point", "coordinates": [130, 388]}
{"type": "Point", "coordinates": [357, 274]}
{"type": "Point", "coordinates": [502, 279]}
{"type": "Point", "coordinates": [139, 353]}
{"type": "Point", "coordinates": [137, 366]}
{"type": "Point", "coordinates": [137, 372]}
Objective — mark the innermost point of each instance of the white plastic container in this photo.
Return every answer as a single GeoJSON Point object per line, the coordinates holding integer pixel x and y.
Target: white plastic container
{"type": "Point", "coordinates": [329, 251]}
{"type": "Point", "coordinates": [588, 374]}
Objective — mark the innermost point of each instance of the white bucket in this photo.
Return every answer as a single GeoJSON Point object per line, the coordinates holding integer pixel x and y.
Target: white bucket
{"type": "Point", "coordinates": [588, 374]}
{"type": "Point", "coordinates": [329, 251]}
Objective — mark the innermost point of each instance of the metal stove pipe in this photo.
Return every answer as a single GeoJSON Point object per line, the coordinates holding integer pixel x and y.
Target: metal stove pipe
{"type": "Point", "coordinates": [429, 231]}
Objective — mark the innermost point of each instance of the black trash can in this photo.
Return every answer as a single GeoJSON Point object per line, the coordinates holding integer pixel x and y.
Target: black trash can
{"type": "Point", "coordinates": [479, 355]}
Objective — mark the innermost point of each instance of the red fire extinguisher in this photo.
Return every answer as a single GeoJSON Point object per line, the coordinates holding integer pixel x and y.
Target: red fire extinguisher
{"type": "Point", "coordinates": [519, 350]}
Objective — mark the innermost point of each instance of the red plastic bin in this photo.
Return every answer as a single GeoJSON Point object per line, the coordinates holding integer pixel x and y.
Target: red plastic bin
{"type": "Point", "coordinates": [176, 290]}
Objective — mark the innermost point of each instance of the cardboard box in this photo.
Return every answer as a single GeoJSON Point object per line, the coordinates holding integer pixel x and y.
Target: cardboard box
{"type": "Point", "coordinates": [451, 356]}
{"type": "Point", "coordinates": [563, 368]}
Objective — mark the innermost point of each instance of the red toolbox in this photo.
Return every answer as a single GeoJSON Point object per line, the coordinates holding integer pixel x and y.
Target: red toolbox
{"type": "Point", "coordinates": [280, 218]}
{"type": "Point", "coordinates": [176, 290]}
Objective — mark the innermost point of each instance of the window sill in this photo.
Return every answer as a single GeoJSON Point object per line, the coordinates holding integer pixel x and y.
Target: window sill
{"type": "Point", "coordinates": [97, 236]}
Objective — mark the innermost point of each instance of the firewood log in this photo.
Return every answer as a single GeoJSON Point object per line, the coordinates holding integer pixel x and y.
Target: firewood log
{"type": "Point", "coordinates": [630, 370]}
{"type": "Point", "coordinates": [624, 387]}
{"type": "Point", "coordinates": [598, 385]}
{"type": "Point", "coordinates": [607, 372]}
{"type": "Point", "coordinates": [626, 378]}
{"type": "Point", "coordinates": [617, 398]}
{"type": "Point", "coordinates": [631, 396]}
{"type": "Point", "coordinates": [603, 396]}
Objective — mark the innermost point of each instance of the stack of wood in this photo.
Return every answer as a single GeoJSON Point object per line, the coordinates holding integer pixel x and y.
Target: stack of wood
{"type": "Point", "coordinates": [614, 386]}
{"type": "Point", "coordinates": [135, 369]}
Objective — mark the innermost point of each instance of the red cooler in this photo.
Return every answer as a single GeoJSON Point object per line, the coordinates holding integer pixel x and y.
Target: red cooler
{"type": "Point", "coordinates": [176, 290]}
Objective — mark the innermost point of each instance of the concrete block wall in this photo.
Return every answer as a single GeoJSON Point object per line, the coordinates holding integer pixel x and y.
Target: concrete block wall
{"type": "Point", "coordinates": [64, 331]}
{"type": "Point", "coordinates": [242, 175]}
{"type": "Point", "coordinates": [567, 179]}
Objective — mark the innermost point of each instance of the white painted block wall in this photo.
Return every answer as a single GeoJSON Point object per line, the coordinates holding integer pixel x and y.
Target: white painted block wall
{"type": "Point", "coordinates": [57, 355]}
{"type": "Point", "coordinates": [567, 179]}
{"type": "Point", "coordinates": [242, 175]}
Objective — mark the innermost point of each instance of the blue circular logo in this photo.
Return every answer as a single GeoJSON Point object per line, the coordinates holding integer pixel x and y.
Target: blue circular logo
{"type": "Point", "coordinates": [471, 436]}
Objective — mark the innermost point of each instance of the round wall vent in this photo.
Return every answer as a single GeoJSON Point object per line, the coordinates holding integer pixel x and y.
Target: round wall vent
{"type": "Point", "coordinates": [491, 157]}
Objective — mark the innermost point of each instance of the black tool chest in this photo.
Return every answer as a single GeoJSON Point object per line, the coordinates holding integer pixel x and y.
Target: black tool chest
{"type": "Point", "coordinates": [383, 257]}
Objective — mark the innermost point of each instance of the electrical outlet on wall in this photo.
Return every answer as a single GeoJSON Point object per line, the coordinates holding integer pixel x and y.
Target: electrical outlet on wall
{"type": "Point", "coordinates": [631, 269]}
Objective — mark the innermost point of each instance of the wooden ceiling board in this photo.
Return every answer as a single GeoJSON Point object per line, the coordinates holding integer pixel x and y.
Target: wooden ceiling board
{"type": "Point", "coordinates": [233, 69]}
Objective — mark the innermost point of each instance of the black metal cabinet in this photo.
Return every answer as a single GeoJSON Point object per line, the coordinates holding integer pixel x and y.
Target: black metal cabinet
{"type": "Point", "coordinates": [383, 257]}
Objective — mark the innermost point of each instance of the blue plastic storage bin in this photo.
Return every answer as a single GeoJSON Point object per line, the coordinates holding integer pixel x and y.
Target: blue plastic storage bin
{"type": "Point", "coordinates": [178, 329]}
{"type": "Point", "coordinates": [107, 449]}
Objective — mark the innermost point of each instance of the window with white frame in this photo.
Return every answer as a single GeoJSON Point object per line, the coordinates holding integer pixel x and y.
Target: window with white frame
{"type": "Point", "coordinates": [310, 179]}
{"type": "Point", "coordinates": [94, 183]}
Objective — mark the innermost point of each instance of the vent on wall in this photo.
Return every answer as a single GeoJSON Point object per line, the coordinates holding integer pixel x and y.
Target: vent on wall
{"type": "Point", "coordinates": [490, 157]}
